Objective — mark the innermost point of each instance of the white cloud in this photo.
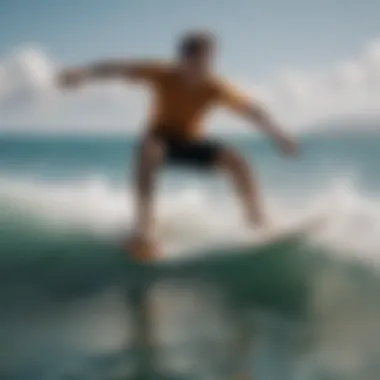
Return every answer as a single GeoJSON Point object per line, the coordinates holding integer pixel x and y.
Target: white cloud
{"type": "Point", "coordinates": [29, 98]}
{"type": "Point", "coordinates": [30, 68]}
{"type": "Point", "coordinates": [348, 88]}
{"type": "Point", "coordinates": [372, 54]}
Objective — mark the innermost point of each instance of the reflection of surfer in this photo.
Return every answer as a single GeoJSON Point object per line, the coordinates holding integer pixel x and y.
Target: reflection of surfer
{"type": "Point", "coordinates": [184, 91]}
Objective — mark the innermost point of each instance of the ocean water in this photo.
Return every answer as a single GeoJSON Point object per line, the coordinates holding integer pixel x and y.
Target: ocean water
{"type": "Point", "coordinates": [303, 310]}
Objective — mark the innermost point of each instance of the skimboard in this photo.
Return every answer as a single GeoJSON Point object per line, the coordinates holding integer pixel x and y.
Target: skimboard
{"type": "Point", "coordinates": [250, 243]}
{"type": "Point", "coordinates": [219, 262]}
{"type": "Point", "coordinates": [281, 234]}
{"type": "Point", "coordinates": [296, 230]}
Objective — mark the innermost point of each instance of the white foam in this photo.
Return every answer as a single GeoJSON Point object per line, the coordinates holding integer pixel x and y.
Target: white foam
{"type": "Point", "coordinates": [194, 214]}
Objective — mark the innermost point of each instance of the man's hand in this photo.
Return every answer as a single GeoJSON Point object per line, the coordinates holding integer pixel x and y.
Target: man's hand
{"type": "Point", "coordinates": [259, 116]}
{"type": "Point", "coordinates": [287, 144]}
{"type": "Point", "coordinates": [71, 78]}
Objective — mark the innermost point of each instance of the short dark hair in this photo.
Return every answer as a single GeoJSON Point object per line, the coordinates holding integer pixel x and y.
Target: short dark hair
{"type": "Point", "coordinates": [195, 43]}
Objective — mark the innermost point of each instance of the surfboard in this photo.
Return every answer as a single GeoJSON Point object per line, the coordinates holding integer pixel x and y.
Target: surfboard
{"type": "Point", "coordinates": [294, 230]}
{"type": "Point", "coordinates": [284, 233]}
{"type": "Point", "coordinates": [249, 244]}
{"type": "Point", "coordinates": [218, 263]}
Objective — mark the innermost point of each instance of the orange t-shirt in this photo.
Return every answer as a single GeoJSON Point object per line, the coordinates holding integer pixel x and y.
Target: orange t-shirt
{"type": "Point", "coordinates": [179, 108]}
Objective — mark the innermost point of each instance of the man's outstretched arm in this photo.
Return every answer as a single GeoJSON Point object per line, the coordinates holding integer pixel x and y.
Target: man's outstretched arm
{"type": "Point", "coordinates": [256, 114]}
{"type": "Point", "coordinates": [121, 69]}
{"type": "Point", "coordinates": [262, 119]}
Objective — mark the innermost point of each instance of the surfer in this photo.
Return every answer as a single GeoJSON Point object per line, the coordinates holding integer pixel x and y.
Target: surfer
{"type": "Point", "coordinates": [185, 90]}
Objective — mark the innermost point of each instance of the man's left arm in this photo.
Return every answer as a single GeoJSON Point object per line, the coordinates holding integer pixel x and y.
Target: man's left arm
{"type": "Point", "coordinates": [256, 114]}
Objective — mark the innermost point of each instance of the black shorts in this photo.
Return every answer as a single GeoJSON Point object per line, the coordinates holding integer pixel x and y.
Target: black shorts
{"type": "Point", "coordinates": [200, 154]}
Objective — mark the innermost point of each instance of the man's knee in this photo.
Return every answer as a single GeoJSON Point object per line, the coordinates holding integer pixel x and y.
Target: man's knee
{"type": "Point", "coordinates": [149, 159]}
{"type": "Point", "coordinates": [232, 160]}
{"type": "Point", "coordinates": [151, 153]}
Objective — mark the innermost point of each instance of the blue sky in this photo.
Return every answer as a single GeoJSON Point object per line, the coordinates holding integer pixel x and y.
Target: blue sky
{"type": "Point", "coordinates": [257, 36]}
{"type": "Point", "coordinates": [259, 41]}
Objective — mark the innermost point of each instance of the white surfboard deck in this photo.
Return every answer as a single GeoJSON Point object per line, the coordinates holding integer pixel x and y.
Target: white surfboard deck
{"type": "Point", "coordinates": [284, 232]}
{"type": "Point", "coordinates": [296, 229]}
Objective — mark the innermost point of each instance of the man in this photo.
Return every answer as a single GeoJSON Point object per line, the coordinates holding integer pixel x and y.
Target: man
{"type": "Point", "coordinates": [185, 90]}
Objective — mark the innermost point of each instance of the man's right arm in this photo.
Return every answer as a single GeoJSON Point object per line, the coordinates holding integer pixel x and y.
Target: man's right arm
{"type": "Point", "coordinates": [122, 69]}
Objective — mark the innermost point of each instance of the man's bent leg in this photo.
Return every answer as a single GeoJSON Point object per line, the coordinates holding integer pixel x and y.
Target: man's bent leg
{"type": "Point", "coordinates": [246, 185]}
{"type": "Point", "coordinates": [149, 160]}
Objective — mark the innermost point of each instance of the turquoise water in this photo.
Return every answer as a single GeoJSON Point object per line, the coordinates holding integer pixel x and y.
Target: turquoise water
{"type": "Point", "coordinates": [305, 309]}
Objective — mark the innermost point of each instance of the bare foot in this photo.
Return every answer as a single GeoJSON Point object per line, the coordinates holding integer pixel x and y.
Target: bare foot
{"type": "Point", "coordinates": [259, 221]}
{"type": "Point", "coordinates": [142, 248]}
{"type": "Point", "coordinates": [262, 225]}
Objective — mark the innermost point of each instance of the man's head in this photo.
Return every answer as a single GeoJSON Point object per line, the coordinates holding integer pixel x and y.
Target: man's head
{"type": "Point", "coordinates": [196, 51]}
